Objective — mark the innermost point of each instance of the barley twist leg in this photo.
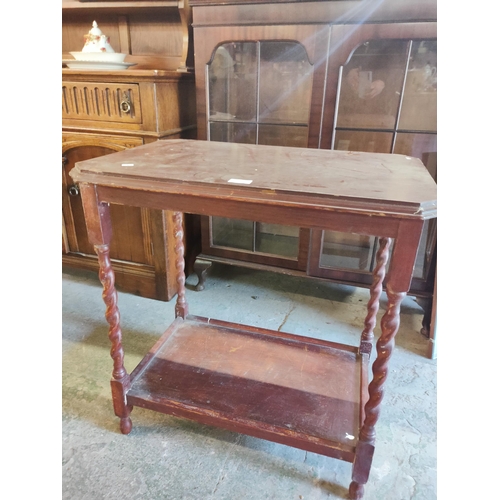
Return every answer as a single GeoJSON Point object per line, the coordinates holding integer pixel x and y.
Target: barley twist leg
{"type": "Point", "coordinates": [181, 305]}
{"type": "Point", "coordinates": [385, 345]}
{"type": "Point", "coordinates": [120, 378]}
{"type": "Point", "coordinates": [376, 289]}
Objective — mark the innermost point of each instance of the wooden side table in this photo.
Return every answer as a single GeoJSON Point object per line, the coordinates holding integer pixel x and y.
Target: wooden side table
{"type": "Point", "coordinates": [307, 393]}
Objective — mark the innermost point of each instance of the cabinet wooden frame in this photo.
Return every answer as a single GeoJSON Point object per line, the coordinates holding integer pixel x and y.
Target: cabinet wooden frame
{"type": "Point", "coordinates": [162, 108]}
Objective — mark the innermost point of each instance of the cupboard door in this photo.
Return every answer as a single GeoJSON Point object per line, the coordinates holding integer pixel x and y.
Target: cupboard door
{"type": "Point", "coordinates": [259, 237]}
{"type": "Point", "coordinates": [386, 102]}
{"type": "Point", "coordinates": [260, 92]}
{"type": "Point", "coordinates": [258, 74]}
{"type": "Point", "coordinates": [420, 89]}
{"type": "Point", "coordinates": [251, 241]}
{"type": "Point", "coordinates": [371, 86]}
{"type": "Point", "coordinates": [130, 224]}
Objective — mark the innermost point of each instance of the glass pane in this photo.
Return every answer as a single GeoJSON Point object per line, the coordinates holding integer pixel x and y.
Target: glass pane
{"type": "Point", "coordinates": [347, 251]}
{"type": "Point", "coordinates": [419, 107]}
{"type": "Point", "coordinates": [242, 133]}
{"type": "Point", "coordinates": [425, 249]}
{"type": "Point", "coordinates": [277, 240]}
{"type": "Point", "coordinates": [371, 85]}
{"type": "Point", "coordinates": [232, 233]}
{"type": "Point", "coordinates": [232, 82]}
{"type": "Point", "coordinates": [283, 135]}
{"type": "Point", "coordinates": [285, 83]}
{"type": "Point", "coordinates": [423, 146]}
{"type": "Point", "coordinates": [377, 142]}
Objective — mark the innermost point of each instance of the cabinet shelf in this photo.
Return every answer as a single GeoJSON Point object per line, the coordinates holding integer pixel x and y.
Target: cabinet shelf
{"type": "Point", "coordinates": [69, 5]}
{"type": "Point", "coordinates": [264, 383]}
{"type": "Point", "coordinates": [248, 122]}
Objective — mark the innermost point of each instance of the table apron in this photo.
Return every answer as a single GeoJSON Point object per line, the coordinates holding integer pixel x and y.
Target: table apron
{"type": "Point", "coordinates": [303, 215]}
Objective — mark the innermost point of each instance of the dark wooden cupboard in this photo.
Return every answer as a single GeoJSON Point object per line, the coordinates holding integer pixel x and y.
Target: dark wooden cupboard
{"type": "Point", "coordinates": [104, 111]}
{"type": "Point", "coordinates": [348, 75]}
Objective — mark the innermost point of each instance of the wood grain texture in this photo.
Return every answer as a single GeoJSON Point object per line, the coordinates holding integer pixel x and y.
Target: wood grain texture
{"type": "Point", "coordinates": [154, 34]}
{"type": "Point", "coordinates": [344, 11]}
{"type": "Point", "coordinates": [300, 391]}
{"type": "Point", "coordinates": [385, 184]}
{"type": "Point", "coordinates": [95, 101]}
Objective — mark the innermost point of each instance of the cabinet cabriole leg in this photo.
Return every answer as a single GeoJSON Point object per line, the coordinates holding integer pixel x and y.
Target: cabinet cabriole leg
{"type": "Point", "coordinates": [120, 381]}
{"type": "Point", "coordinates": [201, 268]}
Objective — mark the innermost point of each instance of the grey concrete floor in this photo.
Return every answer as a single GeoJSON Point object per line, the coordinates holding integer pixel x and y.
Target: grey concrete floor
{"type": "Point", "coordinates": [174, 459]}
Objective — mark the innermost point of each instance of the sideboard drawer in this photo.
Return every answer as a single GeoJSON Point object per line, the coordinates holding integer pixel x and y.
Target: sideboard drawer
{"type": "Point", "coordinates": [109, 102]}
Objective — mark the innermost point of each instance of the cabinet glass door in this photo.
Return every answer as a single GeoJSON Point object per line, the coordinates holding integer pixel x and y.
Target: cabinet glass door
{"type": "Point", "coordinates": [387, 104]}
{"type": "Point", "coordinates": [259, 92]}
{"type": "Point", "coordinates": [346, 250]}
{"type": "Point", "coordinates": [252, 236]}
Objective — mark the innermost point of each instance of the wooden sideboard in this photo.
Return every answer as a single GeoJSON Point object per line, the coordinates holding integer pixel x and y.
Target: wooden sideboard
{"type": "Point", "coordinates": [311, 394]}
{"type": "Point", "coordinates": [104, 111]}
{"type": "Point", "coordinates": [272, 72]}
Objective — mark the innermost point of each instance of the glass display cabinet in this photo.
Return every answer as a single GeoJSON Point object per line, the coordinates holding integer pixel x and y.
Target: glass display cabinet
{"type": "Point", "coordinates": [260, 93]}
{"type": "Point", "coordinates": [329, 75]}
{"type": "Point", "coordinates": [387, 99]}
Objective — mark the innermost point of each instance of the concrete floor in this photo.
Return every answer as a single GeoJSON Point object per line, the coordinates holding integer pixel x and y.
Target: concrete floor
{"type": "Point", "coordinates": [175, 459]}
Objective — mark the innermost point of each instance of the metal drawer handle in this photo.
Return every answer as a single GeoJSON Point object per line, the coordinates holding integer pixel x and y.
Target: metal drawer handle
{"type": "Point", "coordinates": [125, 104]}
{"type": "Point", "coordinates": [73, 190]}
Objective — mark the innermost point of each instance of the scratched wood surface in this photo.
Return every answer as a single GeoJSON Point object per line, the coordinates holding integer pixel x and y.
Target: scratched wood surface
{"type": "Point", "coordinates": [255, 379]}
{"type": "Point", "coordinates": [356, 176]}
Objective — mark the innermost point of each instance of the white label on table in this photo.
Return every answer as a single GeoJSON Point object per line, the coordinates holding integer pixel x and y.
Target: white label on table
{"type": "Point", "coordinates": [240, 181]}
{"type": "Point", "coordinates": [127, 164]}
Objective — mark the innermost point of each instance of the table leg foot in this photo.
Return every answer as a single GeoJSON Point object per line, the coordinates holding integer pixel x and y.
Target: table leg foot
{"type": "Point", "coordinates": [356, 490]}
{"type": "Point", "coordinates": [125, 425]}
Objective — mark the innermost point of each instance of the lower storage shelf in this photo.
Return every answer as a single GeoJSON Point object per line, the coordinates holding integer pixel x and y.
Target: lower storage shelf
{"type": "Point", "coordinates": [285, 388]}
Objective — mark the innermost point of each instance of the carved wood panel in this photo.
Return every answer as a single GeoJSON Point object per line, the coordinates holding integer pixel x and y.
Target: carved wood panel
{"type": "Point", "coordinates": [118, 102]}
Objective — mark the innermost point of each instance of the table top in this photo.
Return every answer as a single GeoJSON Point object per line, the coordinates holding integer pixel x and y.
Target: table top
{"type": "Point", "coordinates": [349, 179]}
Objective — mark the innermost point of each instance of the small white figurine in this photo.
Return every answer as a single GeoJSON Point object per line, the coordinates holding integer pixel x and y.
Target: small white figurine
{"type": "Point", "coordinates": [96, 41]}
